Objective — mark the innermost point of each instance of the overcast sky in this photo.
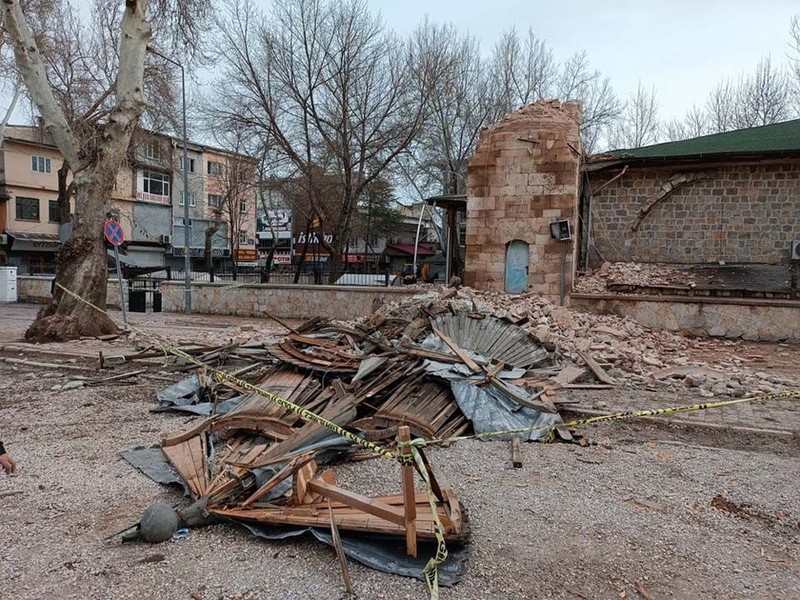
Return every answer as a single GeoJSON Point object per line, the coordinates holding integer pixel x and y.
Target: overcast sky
{"type": "Point", "coordinates": [683, 47]}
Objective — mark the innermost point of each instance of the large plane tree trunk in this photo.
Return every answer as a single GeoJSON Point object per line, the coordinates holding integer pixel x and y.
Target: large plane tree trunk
{"type": "Point", "coordinates": [82, 263]}
{"type": "Point", "coordinates": [83, 270]}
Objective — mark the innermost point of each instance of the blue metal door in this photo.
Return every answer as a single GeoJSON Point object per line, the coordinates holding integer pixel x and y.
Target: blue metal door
{"type": "Point", "coordinates": [517, 267]}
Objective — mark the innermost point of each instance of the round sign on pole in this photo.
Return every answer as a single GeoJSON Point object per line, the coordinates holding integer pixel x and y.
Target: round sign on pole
{"type": "Point", "coordinates": [113, 232]}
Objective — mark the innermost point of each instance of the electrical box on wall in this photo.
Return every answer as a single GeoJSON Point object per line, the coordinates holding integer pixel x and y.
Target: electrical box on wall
{"type": "Point", "coordinates": [796, 250]}
{"type": "Point", "coordinates": [561, 231]}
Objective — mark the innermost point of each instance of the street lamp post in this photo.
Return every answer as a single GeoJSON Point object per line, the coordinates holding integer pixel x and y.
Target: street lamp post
{"type": "Point", "coordinates": [187, 228]}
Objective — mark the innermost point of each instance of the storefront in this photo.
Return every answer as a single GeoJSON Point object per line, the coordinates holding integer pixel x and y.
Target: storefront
{"type": "Point", "coordinates": [274, 236]}
{"type": "Point", "coordinates": [33, 253]}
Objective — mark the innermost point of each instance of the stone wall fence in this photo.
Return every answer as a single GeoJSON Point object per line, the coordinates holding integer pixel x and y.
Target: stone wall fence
{"type": "Point", "coordinates": [282, 301]}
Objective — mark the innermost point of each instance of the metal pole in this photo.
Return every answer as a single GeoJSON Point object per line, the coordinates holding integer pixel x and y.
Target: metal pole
{"type": "Point", "coordinates": [562, 279]}
{"type": "Point", "coordinates": [121, 290]}
{"type": "Point", "coordinates": [416, 240]}
{"type": "Point", "coordinates": [448, 271]}
{"type": "Point", "coordinates": [187, 228]}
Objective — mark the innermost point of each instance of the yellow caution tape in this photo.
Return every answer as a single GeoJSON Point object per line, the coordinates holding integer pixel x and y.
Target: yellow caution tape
{"type": "Point", "coordinates": [431, 570]}
{"type": "Point", "coordinates": [618, 416]}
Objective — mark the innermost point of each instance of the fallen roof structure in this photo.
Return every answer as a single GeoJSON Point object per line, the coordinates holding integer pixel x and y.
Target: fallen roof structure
{"type": "Point", "coordinates": [431, 370]}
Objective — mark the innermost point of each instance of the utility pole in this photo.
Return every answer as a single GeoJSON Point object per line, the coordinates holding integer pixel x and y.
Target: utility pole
{"type": "Point", "coordinates": [187, 228]}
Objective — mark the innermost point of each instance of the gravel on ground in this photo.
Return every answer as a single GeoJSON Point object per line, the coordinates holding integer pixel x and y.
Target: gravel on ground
{"type": "Point", "coordinates": [645, 508]}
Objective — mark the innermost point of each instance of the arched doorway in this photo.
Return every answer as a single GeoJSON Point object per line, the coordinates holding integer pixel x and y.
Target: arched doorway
{"type": "Point", "coordinates": [516, 267]}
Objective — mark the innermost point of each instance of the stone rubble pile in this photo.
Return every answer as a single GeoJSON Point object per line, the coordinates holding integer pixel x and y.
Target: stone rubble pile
{"type": "Point", "coordinates": [631, 273]}
{"type": "Point", "coordinates": [632, 354]}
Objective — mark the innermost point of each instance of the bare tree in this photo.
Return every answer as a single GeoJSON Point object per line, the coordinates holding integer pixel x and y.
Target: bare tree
{"type": "Point", "coordinates": [460, 105]}
{"type": "Point", "coordinates": [92, 126]}
{"type": "Point", "coordinates": [601, 107]}
{"type": "Point", "coordinates": [694, 124]}
{"type": "Point", "coordinates": [765, 96]}
{"type": "Point", "coordinates": [794, 63]}
{"type": "Point", "coordinates": [522, 70]}
{"type": "Point", "coordinates": [638, 125]}
{"type": "Point", "coordinates": [337, 94]}
{"type": "Point", "coordinates": [762, 97]}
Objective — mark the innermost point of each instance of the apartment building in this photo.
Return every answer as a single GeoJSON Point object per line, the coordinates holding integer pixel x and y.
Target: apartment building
{"type": "Point", "coordinates": [29, 214]}
{"type": "Point", "coordinates": [231, 192]}
{"type": "Point", "coordinates": [147, 199]}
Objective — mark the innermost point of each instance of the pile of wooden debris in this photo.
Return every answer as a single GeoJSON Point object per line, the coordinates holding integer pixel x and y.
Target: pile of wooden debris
{"type": "Point", "coordinates": [447, 362]}
{"type": "Point", "coordinates": [431, 371]}
{"type": "Point", "coordinates": [603, 351]}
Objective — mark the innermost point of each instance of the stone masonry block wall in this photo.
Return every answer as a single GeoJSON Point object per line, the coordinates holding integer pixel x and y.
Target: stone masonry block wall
{"type": "Point", "coordinates": [736, 214]}
{"type": "Point", "coordinates": [523, 176]}
{"type": "Point", "coordinates": [282, 301]}
{"type": "Point", "coordinates": [750, 319]}
{"type": "Point", "coordinates": [36, 289]}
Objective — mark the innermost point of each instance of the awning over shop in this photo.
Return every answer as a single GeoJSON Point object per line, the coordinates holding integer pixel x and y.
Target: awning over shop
{"type": "Point", "coordinates": [124, 259]}
{"type": "Point", "coordinates": [139, 261]}
{"type": "Point", "coordinates": [146, 256]}
{"type": "Point", "coordinates": [23, 241]}
{"type": "Point", "coordinates": [403, 249]}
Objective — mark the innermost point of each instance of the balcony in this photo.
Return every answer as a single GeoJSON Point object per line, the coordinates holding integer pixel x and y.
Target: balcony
{"type": "Point", "coordinates": [157, 198]}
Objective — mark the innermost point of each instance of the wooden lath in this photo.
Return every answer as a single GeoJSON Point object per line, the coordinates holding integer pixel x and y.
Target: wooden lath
{"type": "Point", "coordinates": [407, 515]}
{"type": "Point", "coordinates": [426, 406]}
{"type": "Point", "coordinates": [189, 459]}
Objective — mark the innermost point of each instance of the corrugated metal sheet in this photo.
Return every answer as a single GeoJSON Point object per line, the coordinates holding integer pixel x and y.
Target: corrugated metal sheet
{"type": "Point", "coordinates": [490, 411]}
{"type": "Point", "coordinates": [491, 337]}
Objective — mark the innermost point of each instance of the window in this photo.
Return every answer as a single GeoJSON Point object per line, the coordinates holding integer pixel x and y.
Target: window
{"type": "Point", "coordinates": [242, 237]}
{"type": "Point", "coordinates": [192, 199]}
{"type": "Point", "coordinates": [191, 165]}
{"type": "Point", "coordinates": [27, 209]}
{"type": "Point", "coordinates": [243, 206]}
{"type": "Point", "coordinates": [41, 164]}
{"type": "Point", "coordinates": [214, 200]}
{"type": "Point", "coordinates": [152, 150]}
{"type": "Point", "coordinates": [155, 183]}
{"type": "Point", "coordinates": [214, 168]}
{"type": "Point", "coordinates": [53, 212]}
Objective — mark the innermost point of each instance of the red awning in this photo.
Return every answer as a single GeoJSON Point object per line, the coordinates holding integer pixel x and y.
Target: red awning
{"type": "Point", "coordinates": [409, 249]}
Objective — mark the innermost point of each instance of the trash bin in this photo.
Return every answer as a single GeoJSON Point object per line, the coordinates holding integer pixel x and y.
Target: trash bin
{"type": "Point", "coordinates": [137, 301]}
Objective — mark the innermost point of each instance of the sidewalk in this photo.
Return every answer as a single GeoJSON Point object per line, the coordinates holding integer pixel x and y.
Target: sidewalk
{"type": "Point", "coordinates": [178, 328]}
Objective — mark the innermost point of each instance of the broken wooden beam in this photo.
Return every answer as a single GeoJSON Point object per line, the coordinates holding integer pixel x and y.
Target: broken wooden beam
{"type": "Point", "coordinates": [460, 352]}
{"type": "Point", "coordinates": [409, 501]}
{"type": "Point", "coordinates": [516, 453]}
{"type": "Point", "coordinates": [598, 371]}
{"type": "Point", "coordinates": [337, 545]}
{"type": "Point", "coordinates": [368, 505]}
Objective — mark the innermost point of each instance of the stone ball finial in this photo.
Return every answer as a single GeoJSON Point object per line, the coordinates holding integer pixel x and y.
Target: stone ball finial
{"type": "Point", "coordinates": [159, 522]}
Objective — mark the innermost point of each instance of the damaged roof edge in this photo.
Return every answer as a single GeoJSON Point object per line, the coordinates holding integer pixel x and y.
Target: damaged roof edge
{"type": "Point", "coordinates": [777, 140]}
{"type": "Point", "coordinates": [607, 160]}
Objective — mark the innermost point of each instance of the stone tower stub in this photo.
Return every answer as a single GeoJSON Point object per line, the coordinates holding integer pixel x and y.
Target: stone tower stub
{"type": "Point", "coordinates": [523, 177]}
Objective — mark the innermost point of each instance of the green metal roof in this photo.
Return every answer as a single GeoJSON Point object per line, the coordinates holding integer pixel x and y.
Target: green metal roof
{"type": "Point", "coordinates": [768, 139]}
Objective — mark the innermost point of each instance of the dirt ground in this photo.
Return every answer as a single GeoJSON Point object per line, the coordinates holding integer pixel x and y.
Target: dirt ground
{"type": "Point", "coordinates": [647, 512]}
